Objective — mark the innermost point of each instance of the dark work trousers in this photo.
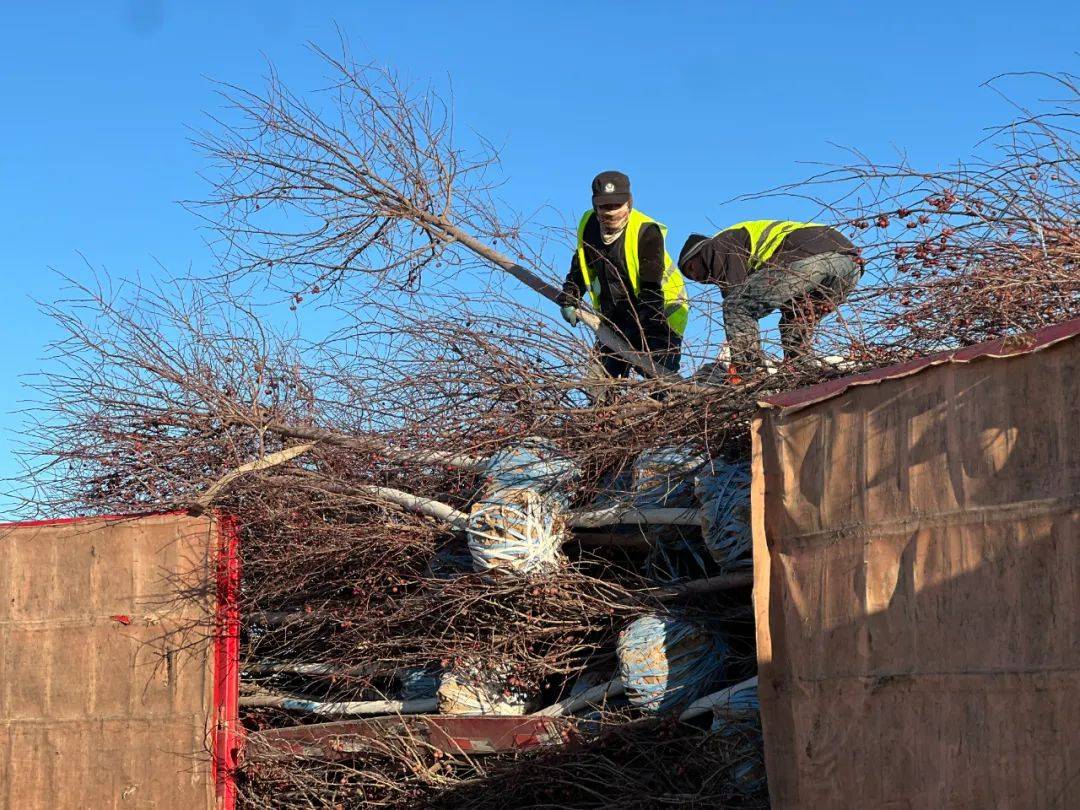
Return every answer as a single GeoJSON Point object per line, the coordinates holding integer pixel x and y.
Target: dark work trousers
{"type": "Point", "coordinates": [804, 291]}
{"type": "Point", "coordinates": [668, 358]}
{"type": "Point", "coordinates": [607, 364]}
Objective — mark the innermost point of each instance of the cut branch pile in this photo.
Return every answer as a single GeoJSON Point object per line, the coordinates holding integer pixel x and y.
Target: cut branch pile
{"type": "Point", "coordinates": [360, 461]}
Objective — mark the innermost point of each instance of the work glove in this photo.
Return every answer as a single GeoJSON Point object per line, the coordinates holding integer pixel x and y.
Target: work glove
{"type": "Point", "coordinates": [720, 372]}
{"type": "Point", "coordinates": [569, 315]}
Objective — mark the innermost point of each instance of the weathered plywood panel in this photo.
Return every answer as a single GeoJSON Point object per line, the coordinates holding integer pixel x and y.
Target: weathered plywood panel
{"type": "Point", "coordinates": [96, 713]}
{"type": "Point", "coordinates": [917, 584]}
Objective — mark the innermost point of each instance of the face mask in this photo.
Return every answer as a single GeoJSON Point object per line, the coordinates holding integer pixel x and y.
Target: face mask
{"type": "Point", "coordinates": [614, 220]}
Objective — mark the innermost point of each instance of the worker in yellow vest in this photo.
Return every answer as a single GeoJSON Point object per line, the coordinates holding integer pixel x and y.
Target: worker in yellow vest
{"type": "Point", "coordinates": [632, 283]}
{"type": "Point", "coordinates": [803, 269]}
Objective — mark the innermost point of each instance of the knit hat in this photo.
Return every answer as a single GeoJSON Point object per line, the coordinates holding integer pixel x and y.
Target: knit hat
{"type": "Point", "coordinates": [694, 243]}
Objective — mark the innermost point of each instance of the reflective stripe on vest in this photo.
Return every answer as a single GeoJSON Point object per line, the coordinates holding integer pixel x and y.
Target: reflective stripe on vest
{"type": "Point", "coordinates": [676, 301]}
{"type": "Point", "coordinates": [766, 236]}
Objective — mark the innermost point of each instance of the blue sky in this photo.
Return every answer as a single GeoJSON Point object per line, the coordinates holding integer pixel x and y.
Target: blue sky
{"type": "Point", "coordinates": [697, 101]}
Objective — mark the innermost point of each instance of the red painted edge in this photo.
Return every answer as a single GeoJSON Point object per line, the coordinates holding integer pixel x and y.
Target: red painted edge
{"type": "Point", "coordinates": [227, 737]}
{"type": "Point", "coordinates": [1005, 347]}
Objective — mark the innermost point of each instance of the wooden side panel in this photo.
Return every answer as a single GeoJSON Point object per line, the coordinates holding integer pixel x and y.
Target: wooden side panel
{"type": "Point", "coordinates": [917, 577]}
{"type": "Point", "coordinates": [107, 671]}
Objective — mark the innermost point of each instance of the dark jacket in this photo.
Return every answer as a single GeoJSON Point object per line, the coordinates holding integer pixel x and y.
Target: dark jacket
{"type": "Point", "coordinates": [725, 257]}
{"type": "Point", "coordinates": [618, 303]}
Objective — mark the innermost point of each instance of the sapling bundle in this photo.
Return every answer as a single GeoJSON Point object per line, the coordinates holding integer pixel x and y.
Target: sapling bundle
{"type": "Point", "coordinates": [666, 660]}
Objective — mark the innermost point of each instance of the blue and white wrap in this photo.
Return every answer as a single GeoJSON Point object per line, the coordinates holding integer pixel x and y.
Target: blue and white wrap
{"type": "Point", "coordinates": [471, 689]}
{"type": "Point", "coordinates": [535, 464]}
{"type": "Point", "coordinates": [742, 704]}
{"type": "Point", "coordinates": [739, 721]}
{"type": "Point", "coordinates": [417, 683]}
{"type": "Point", "coordinates": [663, 477]}
{"type": "Point", "coordinates": [666, 661]}
{"type": "Point", "coordinates": [518, 524]}
{"type": "Point", "coordinates": [723, 489]}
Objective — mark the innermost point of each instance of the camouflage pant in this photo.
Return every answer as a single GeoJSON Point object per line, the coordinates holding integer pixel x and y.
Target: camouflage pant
{"type": "Point", "coordinates": [803, 291]}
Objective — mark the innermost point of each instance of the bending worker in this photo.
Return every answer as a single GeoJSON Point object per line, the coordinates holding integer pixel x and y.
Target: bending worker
{"type": "Point", "coordinates": [632, 282]}
{"type": "Point", "coordinates": [803, 269]}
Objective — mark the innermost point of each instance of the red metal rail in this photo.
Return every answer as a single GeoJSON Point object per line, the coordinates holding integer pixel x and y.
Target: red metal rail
{"type": "Point", "coordinates": [227, 739]}
{"type": "Point", "coordinates": [451, 734]}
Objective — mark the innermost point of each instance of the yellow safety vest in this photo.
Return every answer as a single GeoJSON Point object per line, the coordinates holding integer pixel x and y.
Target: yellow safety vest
{"type": "Point", "coordinates": [676, 302]}
{"type": "Point", "coordinates": [766, 236]}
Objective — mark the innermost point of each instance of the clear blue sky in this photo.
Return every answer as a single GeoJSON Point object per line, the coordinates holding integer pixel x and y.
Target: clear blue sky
{"type": "Point", "coordinates": [697, 101]}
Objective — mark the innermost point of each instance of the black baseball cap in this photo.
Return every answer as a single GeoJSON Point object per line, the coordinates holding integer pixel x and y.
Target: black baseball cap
{"type": "Point", "coordinates": [610, 188]}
